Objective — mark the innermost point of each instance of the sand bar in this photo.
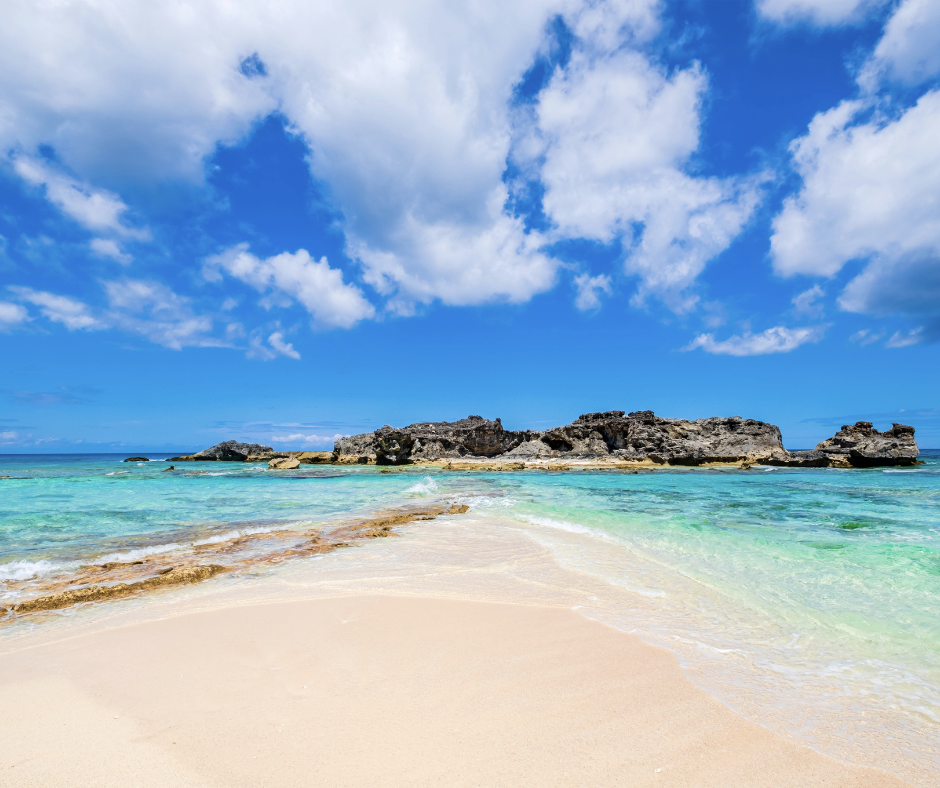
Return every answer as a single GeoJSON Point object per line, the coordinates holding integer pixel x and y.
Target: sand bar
{"type": "Point", "coordinates": [378, 690]}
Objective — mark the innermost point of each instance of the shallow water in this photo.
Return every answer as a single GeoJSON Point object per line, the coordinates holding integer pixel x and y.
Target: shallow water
{"type": "Point", "coordinates": [806, 599]}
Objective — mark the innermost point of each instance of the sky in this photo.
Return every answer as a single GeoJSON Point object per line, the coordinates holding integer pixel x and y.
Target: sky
{"type": "Point", "coordinates": [285, 222]}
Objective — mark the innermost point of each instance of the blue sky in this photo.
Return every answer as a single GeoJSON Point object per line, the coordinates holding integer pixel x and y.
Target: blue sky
{"type": "Point", "coordinates": [285, 223]}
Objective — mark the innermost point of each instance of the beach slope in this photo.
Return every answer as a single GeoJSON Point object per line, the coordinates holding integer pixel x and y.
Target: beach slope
{"type": "Point", "coordinates": [380, 691]}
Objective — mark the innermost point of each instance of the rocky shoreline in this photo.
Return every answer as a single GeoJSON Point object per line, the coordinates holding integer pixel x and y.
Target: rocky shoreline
{"type": "Point", "coordinates": [612, 438]}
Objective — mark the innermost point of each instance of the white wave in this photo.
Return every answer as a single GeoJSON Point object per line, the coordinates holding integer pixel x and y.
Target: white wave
{"type": "Point", "coordinates": [425, 487]}
{"type": "Point", "coordinates": [563, 525]}
{"type": "Point", "coordinates": [136, 555]}
{"type": "Point", "coordinates": [905, 470]}
{"type": "Point", "coordinates": [767, 470]}
{"type": "Point", "coordinates": [229, 535]}
{"type": "Point", "coordinates": [117, 473]}
{"type": "Point", "coordinates": [26, 570]}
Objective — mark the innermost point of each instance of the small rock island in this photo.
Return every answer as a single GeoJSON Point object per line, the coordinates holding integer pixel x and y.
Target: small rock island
{"type": "Point", "coordinates": [608, 438]}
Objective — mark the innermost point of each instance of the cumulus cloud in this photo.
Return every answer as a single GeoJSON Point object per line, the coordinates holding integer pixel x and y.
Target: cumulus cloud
{"type": "Point", "coordinates": [96, 209]}
{"type": "Point", "coordinates": [869, 193]}
{"type": "Point", "coordinates": [276, 346]}
{"type": "Point", "coordinates": [12, 315]}
{"type": "Point", "coordinates": [589, 290]}
{"type": "Point", "coordinates": [130, 90]}
{"type": "Point", "coordinates": [614, 133]}
{"type": "Point", "coordinates": [296, 276]}
{"type": "Point", "coordinates": [406, 108]}
{"type": "Point", "coordinates": [778, 339]}
{"type": "Point", "coordinates": [73, 314]}
{"type": "Point", "coordinates": [818, 12]}
{"type": "Point", "coordinates": [908, 50]}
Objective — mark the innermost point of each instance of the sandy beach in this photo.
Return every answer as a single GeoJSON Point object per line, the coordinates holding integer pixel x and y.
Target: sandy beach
{"type": "Point", "coordinates": [379, 690]}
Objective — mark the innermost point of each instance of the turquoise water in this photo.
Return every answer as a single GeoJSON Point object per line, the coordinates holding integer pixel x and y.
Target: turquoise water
{"type": "Point", "coordinates": [810, 579]}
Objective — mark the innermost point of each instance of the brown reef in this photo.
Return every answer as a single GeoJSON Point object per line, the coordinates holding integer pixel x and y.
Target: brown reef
{"type": "Point", "coordinates": [116, 579]}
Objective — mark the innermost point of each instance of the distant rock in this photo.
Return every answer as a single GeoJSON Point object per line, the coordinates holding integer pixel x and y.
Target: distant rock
{"type": "Point", "coordinates": [473, 436]}
{"type": "Point", "coordinates": [312, 457]}
{"type": "Point", "coordinates": [137, 459]}
{"type": "Point", "coordinates": [862, 446]}
{"type": "Point", "coordinates": [640, 436]}
{"type": "Point", "coordinates": [232, 451]}
{"type": "Point", "coordinates": [636, 436]}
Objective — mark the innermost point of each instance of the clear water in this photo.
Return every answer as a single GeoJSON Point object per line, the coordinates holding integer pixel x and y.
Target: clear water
{"type": "Point", "coordinates": [808, 599]}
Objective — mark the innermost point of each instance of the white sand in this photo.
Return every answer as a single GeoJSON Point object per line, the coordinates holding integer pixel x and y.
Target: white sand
{"type": "Point", "coordinates": [379, 691]}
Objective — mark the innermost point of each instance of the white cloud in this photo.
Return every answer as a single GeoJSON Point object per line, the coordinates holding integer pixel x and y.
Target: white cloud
{"type": "Point", "coordinates": [71, 313]}
{"type": "Point", "coordinates": [818, 12]}
{"type": "Point", "coordinates": [615, 133]}
{"type": "Point", "coordinates": [778, 339]}
{"type": "Point", "coordinates": [906, 340]}
{"type": "Point", "coordinates": [276, 347]}
{"type": "Point", "coordinates": [321, 441]}
{"type": "Point", "coordinates": [295, 276]}
{"type": "Point", "coordinates": [95, 209]}
{"type": "Point", "coordinates": [126, 89]}
{"type": "Point", "coordinates": [866, 337]}
{"type": "Point", "coordinates": [9, 436]}
{"type": "Point", "coordinates": [406, 107]}
{"type": "Point", "coordinates": [157, 313]}
{"type": "Point", "coordinates": [589, 290]}
{"type": "Point", "coordinates": [908, 51]}
{"type": "Point", "coordinates": [806, 302]}
{"type": "Point", "coordinates": [869, 193]}
{"type": "Point", "coordinates": [105, 247]}
{"type": "Point", "coordinates": [12, 315]}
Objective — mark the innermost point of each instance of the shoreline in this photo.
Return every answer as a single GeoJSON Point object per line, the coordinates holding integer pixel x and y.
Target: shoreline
{"type": "Point", "coordinates": [381, 690]}
{"type": "Point", "coordinates": [488, 557]}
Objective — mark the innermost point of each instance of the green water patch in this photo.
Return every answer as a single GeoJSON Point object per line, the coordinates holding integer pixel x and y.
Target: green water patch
{"type": "Point", "coordinates": [852, 525]}
{"type": "Point", "coordinates": [826, 545]}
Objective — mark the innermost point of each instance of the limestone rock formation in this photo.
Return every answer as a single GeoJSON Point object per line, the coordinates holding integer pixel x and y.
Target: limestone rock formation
{"type": "Point", "coordinates": [232, 451]}
{"type": "Point", "coordinates": [473, 436]}
{"type": "Point", "coordinates": [137, 459]}
{"type": "Point", "coordinates": [284, 463]}
{"type": "Point", "coordinates": [641, 436]}
{"type": "Point", "coordinates": [862, 446]}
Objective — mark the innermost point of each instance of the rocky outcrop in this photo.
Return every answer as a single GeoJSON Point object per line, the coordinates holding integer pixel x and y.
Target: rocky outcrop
{"type": "Point", "coordinates": [862, 446]}
{"type": "Point", "coordinates": [473, 436]}
{"type": "Point", "coordinates": [232, 451]}
{"type": "Point", "coordinates": [614, 435]}
{"type": "Point", "coordinates": [643, 435]}
{"type": "Point", "coordinates": [640, 436]}
{"type": "Point", "coordinates": [137, 459]}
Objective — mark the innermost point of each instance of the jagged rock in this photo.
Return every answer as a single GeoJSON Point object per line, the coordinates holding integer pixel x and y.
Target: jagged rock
{"type": "Point", "coordinates": [862, 446]}
{"type": "Point", "coordinates": [473, 436]}
{"type": "Point", "coordinates": [232, 451]}
{"type": "Point", "coordinates": [642, 435]}
{"type": "Point", "coordinates": [284, 463]}
{"type": "Point", "coordinates": [137, 459]}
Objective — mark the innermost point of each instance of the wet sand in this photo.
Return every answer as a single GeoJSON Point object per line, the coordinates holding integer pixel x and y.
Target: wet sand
{"type": "Point", "coordinates": [379, 691]}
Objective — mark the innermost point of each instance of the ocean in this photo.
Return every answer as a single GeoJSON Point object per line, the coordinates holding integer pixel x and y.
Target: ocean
{"type": "Point", "coordinates": [805, 599]}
